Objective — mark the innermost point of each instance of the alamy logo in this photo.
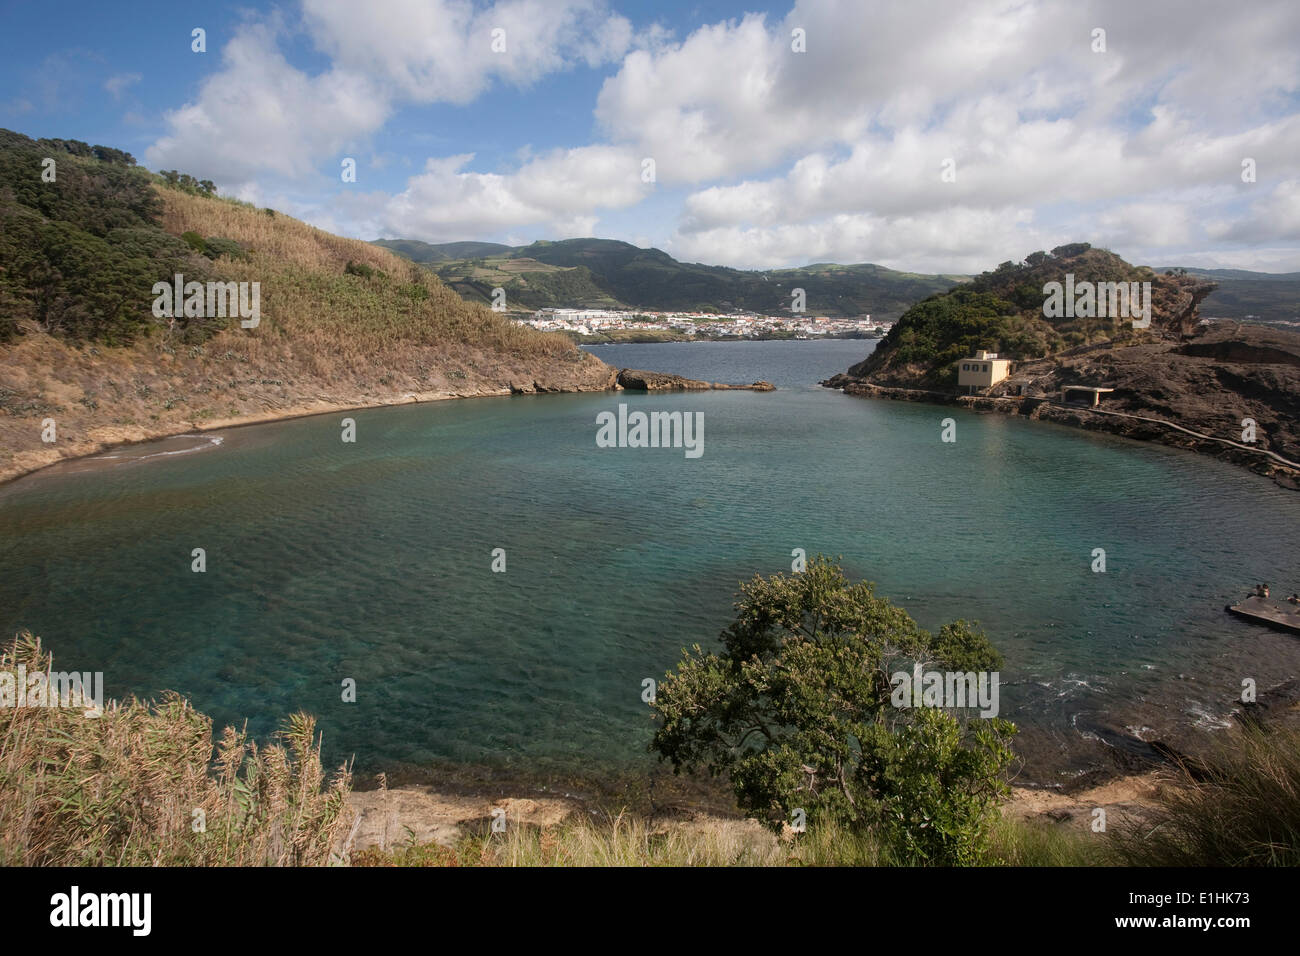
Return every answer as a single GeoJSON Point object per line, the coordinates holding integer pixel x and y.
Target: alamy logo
{"type": "Point", "coordinates": [103, 909]}
{"type": "Point", "coordinates": [1089, 300]}
{"type": "Point", "coordinates": [212, 300]}
{"type": "Point", "coordinates": [950, 690]}
{"type": "Point", "coordinates": [653, 430]}
{"type": "Point", "coordinates": [84, 691]}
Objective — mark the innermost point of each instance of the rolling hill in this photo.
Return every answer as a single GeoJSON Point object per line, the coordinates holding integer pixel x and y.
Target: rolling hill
{"type": "Point", "coordinates": [423, 252]}
{"type": "Point", "coordinates": [343, 323]}
{"type": "Point", "coordinates": [607, 273]}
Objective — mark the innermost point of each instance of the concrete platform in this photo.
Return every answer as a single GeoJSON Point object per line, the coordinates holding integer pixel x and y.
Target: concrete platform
{"type": "Point", "coordinates": [1269, 611]}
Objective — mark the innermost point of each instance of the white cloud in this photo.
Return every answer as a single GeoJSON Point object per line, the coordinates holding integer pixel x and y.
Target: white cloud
{"type": "Point", "coordinates": [1124, 147]}
{"type": "Point", "coordinates": [833, 153]}
{"type": "Point", "coordinates": [259, 113]}
{"type": "Point", "coordinates": [734, 97]}
{"type": "Point", "coordinates": [1276, 217]}
{"type": "Point", "coordinates": [118, 83]}
{"type": "Point", "coordinates": [710, 105]}
{"type": "Point", "coordinates": [562, 189]}
{"type": "Point", "coordinates": [442, 50]}
{"type": "Point", "coordinates": [1145, 225]}
{"type": "Point", "coordinates": [961, 240]}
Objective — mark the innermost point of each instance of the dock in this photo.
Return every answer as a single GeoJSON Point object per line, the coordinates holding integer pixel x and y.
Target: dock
{"type": "Point", "coordinates": [1260, 610]}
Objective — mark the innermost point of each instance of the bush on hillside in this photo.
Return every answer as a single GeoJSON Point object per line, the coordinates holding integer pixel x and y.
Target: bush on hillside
{"type": "Point", "coordinates": [362, 270]}
{"type": "Point", "coordinates": [187, 183]}
{"type": "Point", "coordinates": [79, 255]}
{"type": "Point", "coordinates": [214, 247]}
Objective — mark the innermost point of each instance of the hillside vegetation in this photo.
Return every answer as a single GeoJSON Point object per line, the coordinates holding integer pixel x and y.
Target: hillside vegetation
{"type": "Point", "coordinates": [602, 273]}
{"type": "Point", "coordinates": [343, 322]}
{"type": "Point", "coordinates": [1225, 389]}
{"type": "Point", "coordinates": [1002, 311]}
{"type": "Point", "coordinates": [606, 273]}
{"type": "Point", "coordinates": [79, 254]}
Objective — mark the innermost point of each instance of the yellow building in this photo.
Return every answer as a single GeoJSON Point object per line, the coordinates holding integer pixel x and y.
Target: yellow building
{"type": "Point", "coordinates": [982, 371]}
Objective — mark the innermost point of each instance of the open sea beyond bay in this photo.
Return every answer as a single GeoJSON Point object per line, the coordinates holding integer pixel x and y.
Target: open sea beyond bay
{"type": "Point", "coordinates": [372, 561]}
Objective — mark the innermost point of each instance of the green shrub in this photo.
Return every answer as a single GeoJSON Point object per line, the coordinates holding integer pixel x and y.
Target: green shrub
{"type": "Point", "coordinates": [79, 256]}
{"type": "Point", "coordinates": [216, 247]}
{"type": "Point", "coordinates": [797, 711]}
{"type": "Point", "coordinates": [359, 269]}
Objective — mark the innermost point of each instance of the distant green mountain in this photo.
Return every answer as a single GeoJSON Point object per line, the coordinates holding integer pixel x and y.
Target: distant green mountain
{"type": "Point", "coordinates": [424, 252]}
{"type": "Point", "coordinates": [607, 273]}
{"type": "Point", "coordinates": [1263, 297]}
{"type": "Point", "coordinates": [1234, 275]}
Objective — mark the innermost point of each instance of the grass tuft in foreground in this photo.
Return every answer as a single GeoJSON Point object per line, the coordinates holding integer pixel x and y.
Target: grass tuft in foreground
{"type": "Point", "coordinates": [622, 840]}
{"type": "Point", "coordinates": [1241, 807]}
{"type": "Point", "coordinates": [141, 786]}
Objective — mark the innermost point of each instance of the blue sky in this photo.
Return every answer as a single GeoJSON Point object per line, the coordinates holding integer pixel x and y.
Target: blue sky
{"type": "Point", "coordinates": [764, 155]}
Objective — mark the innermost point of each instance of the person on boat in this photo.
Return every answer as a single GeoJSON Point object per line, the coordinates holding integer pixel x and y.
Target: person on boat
{"type": "Point", "coordinates": [1294, 599]}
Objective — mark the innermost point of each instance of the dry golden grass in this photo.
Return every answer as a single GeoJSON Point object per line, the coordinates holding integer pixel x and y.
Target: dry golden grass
{"type": "Point", "coordinates": [326, 339]}
{"type": "Point", "coordinates": [277, 237]}
{"type": "Point", "coordinates": [628, 840]}
{"type": "Point", "coordinates": [1240, 806]}
{"type": "Point", "coordinates": [134, 787]}
{"type": "Point", "coordinates": [307, 296]}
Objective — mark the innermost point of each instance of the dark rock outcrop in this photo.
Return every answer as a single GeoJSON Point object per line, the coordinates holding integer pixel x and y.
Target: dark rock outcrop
{"type": "Point", "coordinates": [1182, 382]}
{"type": "Point", "coordinates": [637, 380]}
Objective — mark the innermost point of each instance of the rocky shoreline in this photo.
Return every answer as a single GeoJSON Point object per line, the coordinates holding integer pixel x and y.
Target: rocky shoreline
{"type": "Point", "coordinates": [89, 439]}
{"type": "Point", "coordinates": [443, 804]}
{"type": "Point", "coordinates": [415, 814]}
{"type": "Point", "coordinates": [1195, 393]}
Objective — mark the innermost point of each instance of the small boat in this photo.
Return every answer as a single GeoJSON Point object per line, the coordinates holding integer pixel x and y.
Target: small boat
{"type": "Point", "coordinates": [1261, 610]}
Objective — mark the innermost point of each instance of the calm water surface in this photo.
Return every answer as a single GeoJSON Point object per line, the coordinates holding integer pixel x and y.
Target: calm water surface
{"type": "Point", "coordinates": [372, 561]}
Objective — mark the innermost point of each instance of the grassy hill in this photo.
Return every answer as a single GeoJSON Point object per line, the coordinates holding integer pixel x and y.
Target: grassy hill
{"type": "Point", "coordinates": [423, 252]}
{"type": "Point", "coordinates": [1002, 311]}
{"type": "Point", "coordinates": [343, 322]}
{"type": "Point", "coordinates": [606, 273]}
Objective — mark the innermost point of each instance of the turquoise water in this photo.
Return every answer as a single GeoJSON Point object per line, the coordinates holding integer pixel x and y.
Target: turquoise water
{"type": "Point", "coordinates": [372, 561]}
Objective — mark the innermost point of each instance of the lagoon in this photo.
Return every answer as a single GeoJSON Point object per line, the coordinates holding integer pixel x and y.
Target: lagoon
{"type": "Point", "coordinates": [372, 561]}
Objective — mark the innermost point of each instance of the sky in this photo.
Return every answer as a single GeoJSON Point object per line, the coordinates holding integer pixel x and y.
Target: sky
{"type": "Point", "coordinates": [924, 136]}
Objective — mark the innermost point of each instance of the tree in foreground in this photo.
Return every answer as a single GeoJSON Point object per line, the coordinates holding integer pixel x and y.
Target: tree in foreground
{"type": "Point", "coordinates": [799, 711]}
